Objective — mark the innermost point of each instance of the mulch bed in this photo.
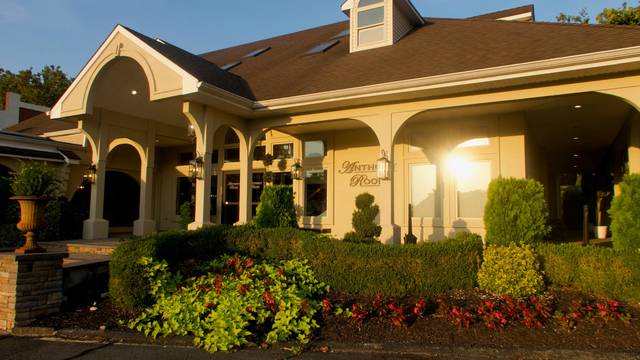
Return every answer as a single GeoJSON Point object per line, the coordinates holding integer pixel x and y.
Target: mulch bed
{"type": "Point", "coordinates": [432, 330]}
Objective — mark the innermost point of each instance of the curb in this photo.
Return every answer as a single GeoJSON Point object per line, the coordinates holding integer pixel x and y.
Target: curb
{"type": "Point", "coordinates": [132, 338]}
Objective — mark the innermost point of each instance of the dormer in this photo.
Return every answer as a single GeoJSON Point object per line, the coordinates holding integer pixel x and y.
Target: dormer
{"type": "Point", "coordinates": [378, 23]}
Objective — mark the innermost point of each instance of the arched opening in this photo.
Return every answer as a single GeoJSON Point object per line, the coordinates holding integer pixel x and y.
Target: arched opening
{"type": "Point", "coordinates": [576, 145]}
{"type": "Point", "coordinates": [122, 189]}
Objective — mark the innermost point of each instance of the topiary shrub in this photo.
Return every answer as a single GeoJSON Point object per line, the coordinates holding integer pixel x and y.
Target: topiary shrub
{"type": "Point", "coordinates": [510, 270]}
{"type": "Point", "coordinates": [186, 214]}
{"type": "Point", "coordinates": [363, 220]}
{"type": "Point", "coordinates": [516, 212]}
{"type": "Point", "coordinates": [276, 208]}
{"type": "Point", "coordinates": [625, 215]}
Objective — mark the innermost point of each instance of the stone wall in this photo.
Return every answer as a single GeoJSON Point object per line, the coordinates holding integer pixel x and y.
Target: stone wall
{"type": "Point", "coordinates": [30, 287]}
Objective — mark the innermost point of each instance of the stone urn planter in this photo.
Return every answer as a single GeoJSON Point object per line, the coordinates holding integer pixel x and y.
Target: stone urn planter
{"type": "Point", "coordinates": [31, 220]}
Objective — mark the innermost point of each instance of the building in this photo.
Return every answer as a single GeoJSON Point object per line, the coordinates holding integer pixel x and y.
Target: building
{"type": "Point", "coordinates": [444, 105]}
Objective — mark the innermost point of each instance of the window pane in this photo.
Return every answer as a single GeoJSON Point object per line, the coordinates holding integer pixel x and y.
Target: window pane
{"type": "Point", "coordinates": [257, 187]}
{"type": "Point", "coordinates": [184, 158]}
{"type": "Point", "coordinates": [259, 152]}
{"type": "Point", "coordinates": [371, 17]}
{"type": "Point", "coordinates": [472, 189]}
{"type": "Point", "coordinates": [282, 178]}
{"type": "Point", "coordinates": [424, 186]}
{"type": "Point", "coordinates": [283, 151]}
{"type": "Point", "coordinates": [184, 192]}
{"type": "Point", "coordinates": [315, 190]}
{"type": "Point", "coordinates": [214, 156]}
{"type": "Point", "coordinates": [314, 149]}
{"type": "Point", "coordinates": [231, 138]}
{"type": "Point", "coordinates": [232, 155]}
{"type": "Point", "coordinates": [214, 197]}
{"type": "Point", "coordinates": [369, 36]}
{"type": "Point", "coordinates": [364, 3]}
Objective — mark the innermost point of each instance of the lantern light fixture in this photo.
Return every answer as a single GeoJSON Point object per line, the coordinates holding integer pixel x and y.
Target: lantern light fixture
{"type": "Point", "coordinates": [89, 175]}
{"type": "Point", "coordinates": [196, 168]}
{"type": "Point", "coordinates": [191, 131]}
{"type": "Point", "coordinates": [384, 166]}
{"type": "Point", "coordinates": [296, 170]}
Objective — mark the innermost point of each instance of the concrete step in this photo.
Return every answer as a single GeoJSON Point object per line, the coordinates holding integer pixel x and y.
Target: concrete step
{"type": "Point", "coordinates": [98, 247]}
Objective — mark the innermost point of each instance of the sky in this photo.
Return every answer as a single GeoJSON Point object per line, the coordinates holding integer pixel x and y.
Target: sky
{"type": "Point", "coordinates": [35, 33]}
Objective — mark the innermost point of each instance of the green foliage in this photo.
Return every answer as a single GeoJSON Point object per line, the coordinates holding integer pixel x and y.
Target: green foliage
{"type": "Point", "coordinates": [581, 18]}
{"type": "Point", "coordinates": [511, 270]}
{"type": "Point", "coordinates": [276, 208]}
{"type": "Point", "coordinates": [363, 220]}
{"type": "Point", "coordinates": [10, 236]}
{"type": "Point", "coordinates": [625, 216]}
{"type": "Point", "coordinates": [625, 15]}
{"type": "Point", "coordinates": [186, 214]}
{"type": "Point", "coordinates": [220, 308]}
{"type": "Point", "coordinates": [42, 88]}
{"type": "Point", "coordinates": [592, 269]}
{"type": "Point", "coordinates": [36, 179]}
{"type": "Point", "coordinates": [516, 212]}
{"type": "Point", "coordinates": [358, 269]}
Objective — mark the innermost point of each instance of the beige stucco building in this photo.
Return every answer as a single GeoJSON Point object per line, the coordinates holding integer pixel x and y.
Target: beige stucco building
{"type": "Point", "coordinates": [450, 103]}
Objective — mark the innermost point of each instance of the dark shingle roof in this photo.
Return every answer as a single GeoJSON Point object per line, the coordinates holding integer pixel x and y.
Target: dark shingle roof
{"type": "Point", "coordinates": [442, 46]}
{"type": "Point", "coordinates": [505, 13]}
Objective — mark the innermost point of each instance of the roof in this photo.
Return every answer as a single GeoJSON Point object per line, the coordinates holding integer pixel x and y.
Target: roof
{"type": "Point", "coordinates": [41, 124]}
{"type": "Point", "coordinates": [198, 67]}
{"type": "Point", "coordinates": [56, 151]}
{"type": "Point", "coordinates": [505, 13]}
{"type": "Point", "coordinates": [442, 46]}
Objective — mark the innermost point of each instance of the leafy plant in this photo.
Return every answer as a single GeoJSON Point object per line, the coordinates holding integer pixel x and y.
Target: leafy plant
{"type": "Point", "coordinates": [510, 270]}
{"type": "Point", "coordinates": [222, 308]}
{"type": "Point", "coordinates": [363, 220]}
{"type": "Point", "coordinates": [268, 159]}
{"type": "Point", "coordinates": [36, 179]}
{"type": "Point", "coordinates": [516, 212]}
{"type": "Point", "coordinates": [276, 208]}
{"type": "Point", "coordinates": [625, 215]}
{"type": "Point", "coordinates": [186, 214]}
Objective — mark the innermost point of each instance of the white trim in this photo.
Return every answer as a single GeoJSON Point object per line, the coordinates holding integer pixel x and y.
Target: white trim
{"type": "Point", "coordinates": [507, 72]}
{"type": "Point", "coordinates": [74, 131]}
{"type": "Point", "coordinates": [518, 17]}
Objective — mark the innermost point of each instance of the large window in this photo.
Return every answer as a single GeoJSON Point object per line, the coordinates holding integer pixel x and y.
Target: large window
{"type": "Point", "coordinates": [184, 192]}
{"type": "Point", "coordinates": [315, 193]}
{"type": "Point", "coordinates": [231, 147]}
{"type": "Point", "coordinates": [424, 185]}
{"type": "Point", "coordinates": [370, 21]}
{"type": "Point", "coordinates": [283, 151]}
{"type": "Point", "coordinates": [471, 186]}
{"type": "Point", "coordinates": [314, 149]}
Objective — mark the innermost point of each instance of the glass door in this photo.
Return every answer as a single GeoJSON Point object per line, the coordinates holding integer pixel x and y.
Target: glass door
{"type": "Point", "coordinates": [231, 199]}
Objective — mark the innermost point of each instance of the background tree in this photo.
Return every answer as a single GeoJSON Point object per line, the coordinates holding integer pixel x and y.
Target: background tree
{"type": "Point", "coordinates": [41, 88]}
{"type": "Point", "coordinates": [624, 15]}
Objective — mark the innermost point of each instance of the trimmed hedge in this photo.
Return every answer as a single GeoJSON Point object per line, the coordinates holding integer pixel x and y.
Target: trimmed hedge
{"type": "Point", "coordinates": [592, 269]}
{"type": "Point", "coordinates": [361, 269]}
{"type": "Point", "coordinates": [625, 216]}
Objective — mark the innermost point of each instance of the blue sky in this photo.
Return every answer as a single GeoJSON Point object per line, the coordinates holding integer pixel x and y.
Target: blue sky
{"type": "Point", "coordinates": [67, 32]}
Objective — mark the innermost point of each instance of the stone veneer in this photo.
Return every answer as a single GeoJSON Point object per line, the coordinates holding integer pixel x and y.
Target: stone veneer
{"type": "Point", "coordinates": [30, 287]}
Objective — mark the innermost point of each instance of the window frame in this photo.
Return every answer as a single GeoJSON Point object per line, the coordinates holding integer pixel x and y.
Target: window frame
{"type": "Point", "coordinates": [381, 24]}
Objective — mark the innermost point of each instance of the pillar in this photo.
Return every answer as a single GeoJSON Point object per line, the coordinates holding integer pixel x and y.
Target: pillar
{"type": "Point", "coordinates": [145, 224]}
{"type": "Point", "coordinates": [247, 144]}
{"type": "Point", "coordinates": [96, 227]}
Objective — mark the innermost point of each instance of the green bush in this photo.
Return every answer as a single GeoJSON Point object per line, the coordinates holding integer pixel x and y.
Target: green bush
{"type": "Point", "coordinates": [276, 208]}
{"type": "Point", "coordinates": [186, 214]}
{"type": "Point", "coordinates": [364, 220]}
{"type": "Point", "coordinates": [358, 269]}
{"type": "Point", "coordinates": [592, 269]}
{"type": "Point", "coordinates": [516, 212]}
{"type": "Point", "coordinates": [36, 179]}
{"type": "Point", "coordinates": [625, 216]}
{"type": "Point", "coordinates": [511, 270]}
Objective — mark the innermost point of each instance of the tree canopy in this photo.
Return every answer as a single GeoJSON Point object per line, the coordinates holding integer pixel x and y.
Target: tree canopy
{"type": "Point", "coordinates": [624, 15]}
{"type": "Point", "coordinates": [40, 88]}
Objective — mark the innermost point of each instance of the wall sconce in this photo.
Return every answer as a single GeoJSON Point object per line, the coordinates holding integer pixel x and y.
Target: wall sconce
{"type": "Point", "coordinates": [191, 132]}
{"type": "Point", "coordinates": [384, 166]}
{"type": "Point", "coordinates": [89, 175]}
{"type": "Point", "coordinates": [196, 168]}
{"type": "Point", "coordinates": [296, 170]}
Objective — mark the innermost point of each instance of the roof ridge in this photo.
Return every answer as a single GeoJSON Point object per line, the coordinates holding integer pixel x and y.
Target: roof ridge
{"type": "Point", "coordinates": [531, 7]}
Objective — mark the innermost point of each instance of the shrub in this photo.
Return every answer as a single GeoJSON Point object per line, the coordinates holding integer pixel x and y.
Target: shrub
{"type": "Point", "coordinates": [10, 236]}
{"type": "Point", "coordinates": [592, 269]}
{"type": "Point", "coordinates": [363, 220]}
{"type": "Point", "coordinates": [516, 212]}
{"type": "Point", "coordinates": [221, 309]}
{"type": "Point", "coordinates": [276, 208]}
{"type": "Point", "coordinates": [510, 270]}
{"type": "Point", "coordinates": [36, 179]}
{"type": "Point", "coordinates": [625, 215]}
{"type": "Point", "coordinates": [186, 214]}
{"type": "Point", "coordinates": [358, 269]}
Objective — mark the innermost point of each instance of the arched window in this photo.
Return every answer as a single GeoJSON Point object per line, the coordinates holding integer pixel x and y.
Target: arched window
{"type": "Point", "coordinates": [370, 23]}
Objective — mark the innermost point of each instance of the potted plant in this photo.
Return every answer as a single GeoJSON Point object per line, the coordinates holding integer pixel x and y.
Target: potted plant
{"type": "Point", "coordinates": [267, 160]}
{"type": "Point", "coordinates": [32, 185]}
{"type": "Point", "coordinates": [602, 230]}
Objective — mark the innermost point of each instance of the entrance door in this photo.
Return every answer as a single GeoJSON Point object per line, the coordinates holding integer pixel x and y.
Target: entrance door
{"type": "Point", "coordinates": [231, 199]}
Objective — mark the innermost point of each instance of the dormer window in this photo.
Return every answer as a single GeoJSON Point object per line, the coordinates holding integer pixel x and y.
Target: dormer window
{"type": "Point", "coordinates": [371, 28]}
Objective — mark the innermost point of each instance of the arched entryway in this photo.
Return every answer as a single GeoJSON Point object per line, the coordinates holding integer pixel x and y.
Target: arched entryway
{"type": "Point", "coordinates": [122, 189]}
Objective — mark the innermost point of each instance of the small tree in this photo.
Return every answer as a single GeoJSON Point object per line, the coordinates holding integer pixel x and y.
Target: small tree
{"type": "Point", "coordinates": [363, 220]}
{"type": "Point", "coordinates": [276, 208]}
{"type": "Point", "coordinates": [625, 215]}
{"type": "Point", "coordinates": [186, 214]}
{"type": "Point", "coordinates": [516, 212]}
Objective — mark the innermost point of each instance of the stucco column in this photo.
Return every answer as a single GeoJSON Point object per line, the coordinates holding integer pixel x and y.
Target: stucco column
{"type": "Point", "coordinates": [145, 223]}
{"type": "Point", "coordinates": [96, 227]}
{"type": "Point", "coordinates": [205, 127]}
{"type": "Point", "coordinates": [246, 182]}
